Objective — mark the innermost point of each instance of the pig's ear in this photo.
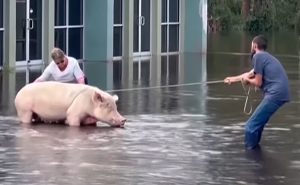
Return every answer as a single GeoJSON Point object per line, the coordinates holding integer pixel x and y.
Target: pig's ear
{"type": "Point", "coordinates": [97, 97]}
{"type": "Point", "coordinates": [115, 97]}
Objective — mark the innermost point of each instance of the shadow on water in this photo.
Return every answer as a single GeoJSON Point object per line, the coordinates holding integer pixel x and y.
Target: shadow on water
{"type": "Point", "coordinates": [179, 135]}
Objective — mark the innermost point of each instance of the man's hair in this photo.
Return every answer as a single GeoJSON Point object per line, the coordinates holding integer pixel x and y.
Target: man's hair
{"type": "Point", "coordinates": [261, 41]}
{"type": "Point", "coordinates": [57, 54]}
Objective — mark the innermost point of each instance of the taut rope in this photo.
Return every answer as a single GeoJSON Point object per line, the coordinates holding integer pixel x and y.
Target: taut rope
{"type": "Point", "coordinates": [247, 91]}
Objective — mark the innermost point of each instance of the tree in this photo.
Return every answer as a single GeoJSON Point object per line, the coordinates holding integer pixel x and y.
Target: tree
{"type": "Point", "coordinates": [257, 4]}
{"type": "Point", "coordinates": [245, 8]}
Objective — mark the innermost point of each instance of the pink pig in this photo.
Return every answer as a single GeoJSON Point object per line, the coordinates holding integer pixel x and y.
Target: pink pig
{"type": "Point", "coordinates": [75, 103]}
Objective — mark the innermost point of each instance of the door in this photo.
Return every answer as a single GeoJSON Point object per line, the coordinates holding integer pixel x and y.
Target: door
{"type": "Point", "coordinates": [141, 70]}
{"type": "Point", "coordinates": [141, 78]}
{"type": "Point", "coordinates": [28, 32]}
{"type": "Point", "coordinates": [142, 27]}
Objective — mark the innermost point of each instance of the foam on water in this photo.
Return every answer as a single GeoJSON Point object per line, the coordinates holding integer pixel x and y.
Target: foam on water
{"type": "Point", "coordinates": [9, 118]}
{"type": "Point", "coordinates": [103, 148]}
{"type": "Point", "coordinates": [277, 129]}
{"type": "Point", "coordinates": [193, 115]}
{"type": "Point", "coordinates": [234, 127]}
{"type": "Point", "coordinates": [23, 173]}
{"type": "Point", "coordinates": [241, 126]}
{"type": "Point", "coordinates": [28, 132]}
{"type": "Point", "coordinates": [295, 164]}
{"type": "Point", "coordinates": [2, 149]}
{"type": "Point", "coordinates": [179, 120]}
{"type": "Point", "coordinates": [58, 164]}
{"type": "Point", "coordinates": [62, 148]}
{"type": "Point", "coordinates": [237, 128]}
{"type": "Point", "coordinates": [211, 152]}
{"type": "Point", "coordinates": [296, 125]}
{"type": "Point", "coordinates": [186, 94]}
{"type": "Point", "coordinates": [165, 125]}
{"type": "Point", "coordinates": [221, 98]}
{"type": "Point", "coordinates": [87, 165]}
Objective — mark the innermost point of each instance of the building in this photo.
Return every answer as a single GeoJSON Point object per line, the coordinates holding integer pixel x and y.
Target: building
{"type": "Point", "coordinates": [99, 30]}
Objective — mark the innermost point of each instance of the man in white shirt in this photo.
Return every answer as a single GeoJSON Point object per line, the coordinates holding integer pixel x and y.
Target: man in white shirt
{"type": "Point", "coordinates": [63, 68]}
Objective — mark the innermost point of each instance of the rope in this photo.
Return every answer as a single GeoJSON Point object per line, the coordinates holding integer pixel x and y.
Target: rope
{"type": "Point", "coordinates": [248, 99]}
{"type": "Point", "coordinates": [166, 86]}
{"type": "Point", "coordinates": [247, 92]}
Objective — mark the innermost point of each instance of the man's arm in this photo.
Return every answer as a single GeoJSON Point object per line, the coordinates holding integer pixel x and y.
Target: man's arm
{"type": "Point", "coordinates": [78, 73]}
{"type": "Point", "coordinates": [258, 71]}
{"type": "Point", "coordinates": [247, 75]}
{"type": "Point", "coordinates": [45, 76]}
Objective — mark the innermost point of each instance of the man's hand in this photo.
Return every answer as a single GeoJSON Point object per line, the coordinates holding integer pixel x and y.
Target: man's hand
{"type": "Point", "coordinates": [245, 80]}
{"type": "Point", "coordinates": [238, 78]}
{"type": "Point", "coordinates": [81, 80]}
{"type": "Point", "coordinates": [251, 81]}
{"type": "Point", "coordinates": [37, 80]}
{"type": "Point", "coordinates": [228, 80]}
{"type": "Point", "coordinates": [256, 81]}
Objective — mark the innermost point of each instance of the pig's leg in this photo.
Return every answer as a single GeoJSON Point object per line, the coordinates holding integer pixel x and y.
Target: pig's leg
{"type": "Point", "coordinates": [36, 118]}
{"type": "Point", "coordinates": [75, 113]}
{"type": "Point", "coordinates": [73, 120]}
{"type": "Point", "coordinates": [90, 121]}
{"type": "Point", "coordinates": [25, 115]}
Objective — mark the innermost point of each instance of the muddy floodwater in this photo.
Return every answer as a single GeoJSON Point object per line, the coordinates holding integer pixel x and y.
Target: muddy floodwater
{"type": "Point", "coordinates": [185, 135]}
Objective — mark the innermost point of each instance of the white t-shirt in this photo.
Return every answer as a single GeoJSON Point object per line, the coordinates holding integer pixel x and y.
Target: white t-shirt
{"type": "Point", "coordinates": [71, 74]}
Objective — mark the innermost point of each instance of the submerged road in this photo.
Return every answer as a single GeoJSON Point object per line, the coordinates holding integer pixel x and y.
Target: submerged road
{"type": "Point", "coordinates": [180, 135]}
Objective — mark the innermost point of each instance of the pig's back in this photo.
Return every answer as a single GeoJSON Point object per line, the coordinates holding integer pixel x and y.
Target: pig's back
{"type": "Point", "coordinates": [50, 93]}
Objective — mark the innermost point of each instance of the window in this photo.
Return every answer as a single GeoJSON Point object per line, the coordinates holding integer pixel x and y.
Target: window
{"type": "Point", "coordinates": [169, 68]}
{"type": "Point", "coordinates": [117, 72]}
{"type": "Point", "coordinates": [141, 70]}
{"type": "Point", "coordinates": [1, 32]}
{"type": "Point", "coordinates": [170, 23]}
{"type": "Point", "coordinates": [118, 28]}
{"type": "Point", "coordinates": [69, 27]}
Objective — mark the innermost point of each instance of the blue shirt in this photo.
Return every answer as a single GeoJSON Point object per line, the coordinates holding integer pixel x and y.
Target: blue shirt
{"type": "Point", "coordinates": [275, 82]}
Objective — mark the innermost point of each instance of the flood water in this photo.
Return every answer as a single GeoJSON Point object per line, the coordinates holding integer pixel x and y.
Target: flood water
{"type": "Point", "coordinates": [179, 135]}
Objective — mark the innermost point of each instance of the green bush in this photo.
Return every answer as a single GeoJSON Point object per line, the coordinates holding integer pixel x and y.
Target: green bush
{"type": "Point", "coordinates": [272, 15]}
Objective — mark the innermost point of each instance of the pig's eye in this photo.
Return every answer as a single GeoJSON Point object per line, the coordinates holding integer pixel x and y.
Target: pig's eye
{"type": "Point", "coordinates": [107, 105]}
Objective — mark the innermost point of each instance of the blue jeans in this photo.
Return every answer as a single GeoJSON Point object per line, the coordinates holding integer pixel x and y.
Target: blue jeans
{"type": "Point", "coordinates": [256, 123]}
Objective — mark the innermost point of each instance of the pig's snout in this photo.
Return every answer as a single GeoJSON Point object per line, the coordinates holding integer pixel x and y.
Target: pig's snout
{"type": "Point", "coordinates": [120, 122]}
{"type": "Point", "coordinates": [123, 121]}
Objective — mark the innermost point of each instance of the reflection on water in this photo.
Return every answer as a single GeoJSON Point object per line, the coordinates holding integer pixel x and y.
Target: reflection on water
{"type": "Point", "coordinates": [179, 135]}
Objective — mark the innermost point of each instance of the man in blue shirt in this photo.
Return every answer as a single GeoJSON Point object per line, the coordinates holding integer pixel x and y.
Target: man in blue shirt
{"type": "Point", "coordinates": [269, 75]}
